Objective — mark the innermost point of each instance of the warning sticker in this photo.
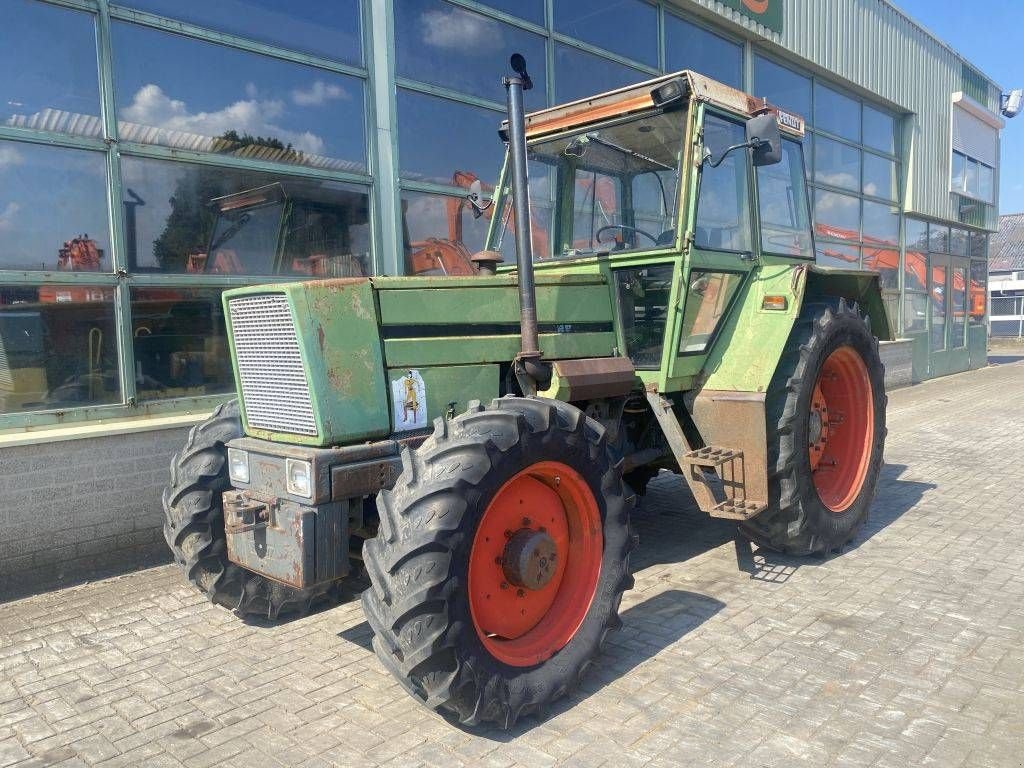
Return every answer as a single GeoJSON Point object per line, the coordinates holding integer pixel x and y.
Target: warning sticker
{"type": "Point", "coordinates": [409, 402]}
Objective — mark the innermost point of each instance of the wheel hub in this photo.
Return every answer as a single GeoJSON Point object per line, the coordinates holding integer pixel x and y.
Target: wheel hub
{"type": "Point", "coordinates": [529, 559]}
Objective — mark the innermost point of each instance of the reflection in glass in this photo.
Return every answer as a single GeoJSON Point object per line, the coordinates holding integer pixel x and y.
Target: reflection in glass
{"type": "Point", "coordinates": [440, 234]}
{"type": "Point", "coordinates": [180, 343]}
{"type": "Point", "coordinates": [879, 177]}
{"type": "Point", "coordinates": [439, 139]}
{"type": "Point", "coordinates": [837, 255]}
{"type": "Point", "coordinates": [440, 43]}
{"type": "Point", "coordinates": [916, 235]}
{"type": "Point", "coordinates": [643, 296]}
{"type": "Point", "coordinates": [972, 181]}
{"type": "Point", "coordinates": [53, 210]}
{"type": "Point", "coordinates": [782, 196]}
{"type": "Point", "coordinates": [915, 312]}
{"type": "Point", "coordinates": [884, 259]}
{"type": "Point", "coordinates": [58, 347]}
{"type": "Point", "coordinates": [201, 219]}
{"type": "Point", "coordinates": [986, 182]}
{"type": "Point", "coordinates": [48, 58]}
{"type": "Point", "coordinates": [531, 10]}
{"type": "Point", "coordinates": [598, 166]}
{"type": "Point", "coordinates": [723, 204]}
{"type": "Point", "coordinates": [939, 299]}
{"type": "Point", "coordinates": [879, 130]}
{"type": "Point", "coordinates": [836, 164]}
{"type": "Point", "coordinates": [958, 241]}
{"type": "Point", "coordinates": [708, 298]}
{"type": "Point", "coordinates": [978, 246]}
{"type": "Point", "coordinates": [194, 95]}
{"type": "Point", "coordinates": [626, 27]}
{"type": "Point", "coordinates": [782, 87]}
{"type": "Point", "coordinates": [836, 113]}
{"type": "Point", "coordinates": [959, 175]}
{"type": "Point", "coordinates": [881, 223]}
{"type": "Point", "coordinates": [688, 46]}
{"type": "Point", "coordinates": [331, 30]}
{"type": "Point", "coordinates": [978, 291]}
{"type": "Point", "coordinates": [915, 269]}
{"type": "Point", "coordinates": [938, 238]}
{"type": "Point", "coordinates": [958, 306]}
{"type": "Point", "coordinates": [579, 74]}
{"type": "Point", "coordinates": [836, 216]}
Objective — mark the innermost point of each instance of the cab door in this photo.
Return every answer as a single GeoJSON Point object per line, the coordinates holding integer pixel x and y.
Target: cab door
{"type": "Point", "coordinates": [722, 247]}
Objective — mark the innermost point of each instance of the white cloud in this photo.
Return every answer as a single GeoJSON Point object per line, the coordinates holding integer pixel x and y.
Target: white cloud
{"type": "Point", "coordinates": [319, 93]}
{"type": "Point", "coordinates": [251, 90]}
{"type": "Point", "coordinates": [151, 106]}
{"type": "Point", "coordinates": [7, 216]}
{"type": "Point", "coordinates": [459, 30]}
{"type": "Point", "coordinates": [9, 156]}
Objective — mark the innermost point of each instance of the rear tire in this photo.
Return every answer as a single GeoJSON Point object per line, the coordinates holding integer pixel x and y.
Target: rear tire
{"type": "Point", "coordinates": [428, 566]}
{"type": "Point", "coordinates": [830, 342]}
{"type": "Point", "coordinates": [194, 526]}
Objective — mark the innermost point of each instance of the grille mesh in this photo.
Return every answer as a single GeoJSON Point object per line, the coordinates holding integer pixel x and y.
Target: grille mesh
{"type": "Point", "coordinates": [275, 391]}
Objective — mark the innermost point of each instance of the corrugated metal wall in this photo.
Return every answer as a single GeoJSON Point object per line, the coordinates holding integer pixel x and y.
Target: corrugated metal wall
{"type": "Point", "coordinates": [876, 48]}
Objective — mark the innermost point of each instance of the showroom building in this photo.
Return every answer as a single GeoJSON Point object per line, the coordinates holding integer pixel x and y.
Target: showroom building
{"type": "Point", "coordinates": [132, 134]}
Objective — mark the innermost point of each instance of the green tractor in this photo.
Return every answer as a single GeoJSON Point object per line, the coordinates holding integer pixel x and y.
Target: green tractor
{"type": "Point", "coordinates": [477, 443]}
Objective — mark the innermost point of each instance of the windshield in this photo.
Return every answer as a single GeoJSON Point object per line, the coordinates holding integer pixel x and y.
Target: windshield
{"type": "Point", "coordinates": [607, 188]}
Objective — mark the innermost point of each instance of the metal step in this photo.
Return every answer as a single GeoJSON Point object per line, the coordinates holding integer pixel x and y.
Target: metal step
{"type": "Point", "coordinates": [734, 509]}
{"type": "Point", "coordinates": [711, 456]}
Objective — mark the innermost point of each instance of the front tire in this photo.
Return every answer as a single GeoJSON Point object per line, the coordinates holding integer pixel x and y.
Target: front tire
{"type": "Point", "coordinates": [194, 526]}
{"type": "Point", "coordinates": [501, 560]}
{"type": "Point", "coordinates": [826, 432]}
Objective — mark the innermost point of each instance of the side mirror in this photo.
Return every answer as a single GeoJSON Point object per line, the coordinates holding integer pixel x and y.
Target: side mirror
{"type": "Point", "coordinates": [764, 139]}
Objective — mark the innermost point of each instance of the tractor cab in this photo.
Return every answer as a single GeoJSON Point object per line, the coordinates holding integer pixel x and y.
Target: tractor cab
{"type": "Point", "coordinates": [678, 191]}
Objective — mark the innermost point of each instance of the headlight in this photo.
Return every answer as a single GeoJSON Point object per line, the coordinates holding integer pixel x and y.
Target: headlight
{"type": "Point", "coordinates": [238, 465]}
{"type": "Point", "coordinates": [299, 478]}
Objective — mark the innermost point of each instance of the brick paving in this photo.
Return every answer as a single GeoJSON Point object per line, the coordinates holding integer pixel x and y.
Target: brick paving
{"type": "Point", "coordinates": [907, 649]}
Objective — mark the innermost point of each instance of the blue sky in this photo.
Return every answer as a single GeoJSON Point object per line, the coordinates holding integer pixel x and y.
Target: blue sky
{"type": "Point", "coordinates": [987, 33]}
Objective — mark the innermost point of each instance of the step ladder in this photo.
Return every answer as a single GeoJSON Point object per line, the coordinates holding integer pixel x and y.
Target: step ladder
{"type": "Point", "coordinates": [715, 474]}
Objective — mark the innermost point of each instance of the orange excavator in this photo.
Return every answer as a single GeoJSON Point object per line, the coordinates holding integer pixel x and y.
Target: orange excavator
{"type": "Point", "coordinates": [882, 256]}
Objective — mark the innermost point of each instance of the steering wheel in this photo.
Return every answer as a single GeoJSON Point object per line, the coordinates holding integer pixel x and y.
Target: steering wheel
{"type": "Point", "coordinates": [597, 235]}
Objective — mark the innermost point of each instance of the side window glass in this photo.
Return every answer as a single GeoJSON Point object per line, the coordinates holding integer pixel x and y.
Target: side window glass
{"type": "Point", "coordinates": [723, 207]}
{"type": "Point", "coordinates": [708, 298]}
{"type": "Point", "coordinates": [782, 196]}
{"type": "Point", "coordinates": [643, 304]}
{"type": "Point", "coordinates": [596, 205]}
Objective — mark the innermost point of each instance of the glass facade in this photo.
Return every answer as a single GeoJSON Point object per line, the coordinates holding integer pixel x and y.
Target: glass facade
{"type": "Point", "coordinates": [155, 139]}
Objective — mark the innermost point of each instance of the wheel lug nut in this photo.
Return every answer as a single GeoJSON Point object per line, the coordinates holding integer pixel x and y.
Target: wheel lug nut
{"type": "Point", "coordinates": [504, 585]}
{"type": "Point", "coordinates": [520, 593]}
{"type": "Point", "coordinates": [526, 522]}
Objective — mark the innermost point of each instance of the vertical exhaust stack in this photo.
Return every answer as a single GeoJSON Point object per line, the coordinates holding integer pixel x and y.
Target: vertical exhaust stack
{"type": "Point", "coordinates": [530, 370]}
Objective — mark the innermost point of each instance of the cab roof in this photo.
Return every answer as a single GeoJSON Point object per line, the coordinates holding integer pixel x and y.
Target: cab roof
{"type": "Point", "coordinates": [638, 98]}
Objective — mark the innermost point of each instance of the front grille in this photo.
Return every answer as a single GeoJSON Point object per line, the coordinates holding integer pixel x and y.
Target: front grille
{"type": "Point", "coordinates": [275, 392]}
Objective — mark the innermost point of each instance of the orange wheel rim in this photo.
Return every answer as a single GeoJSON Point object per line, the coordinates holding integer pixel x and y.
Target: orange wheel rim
{"type": "Point", "coordinates": [841, 429]}
{"type": "Point", "coordinates": [535, 563]}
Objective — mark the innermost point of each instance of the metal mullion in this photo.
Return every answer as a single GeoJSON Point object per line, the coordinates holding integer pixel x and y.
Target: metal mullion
{"type": "Point", "coordinates": [51, 138]}
{"type": "Point", "coordinates": [549, 50]}
{"type": "Point", "coordinates": [154, 21]}
{"type": "Point", "coordinates": [371, 136]}
{"type": "Point", "coordinates": [414, 185]}
{"type": "Point", "coordinates": [115, 209]}
{"type": "Point", "coordinates": [193, 280]}
{"type": "Point", "coordinates": [447, 93]}
{"type": "Point", "coordinates": [29, 277]}
{"type": "Point", "coordinates": [78, 5]}
{"type": "Point", "coordinates": [381, 60]}
{"type": "Point", "coordinates": [579, 45]}
{"type": "Point", "coordinates": [160, 152]}
{"type": "Point", "coordinates": [661, 37]}
{"type": "Point", "coordinates": [494, 13]}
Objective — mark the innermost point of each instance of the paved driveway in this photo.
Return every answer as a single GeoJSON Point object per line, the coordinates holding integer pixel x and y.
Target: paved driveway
{"type": "Point", "coordinates": [907, 649]}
